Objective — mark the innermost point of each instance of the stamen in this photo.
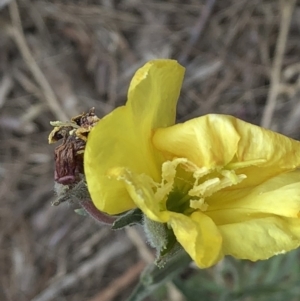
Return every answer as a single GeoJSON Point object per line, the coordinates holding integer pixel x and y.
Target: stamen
{"type": "Point", "coordinates": [210, 186]}
{"type": "Point", "coordinates": [199, 204]}
{"type": "Point", "coordinates": [227, 182]}
{"type": "Point", "coordinates": [206, 188]}
{"type": "Point", "coordinates": [244, 164]}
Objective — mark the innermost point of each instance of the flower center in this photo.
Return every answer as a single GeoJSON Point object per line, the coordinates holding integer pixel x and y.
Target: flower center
{"type": "Point", "coordinates": [187, 186]}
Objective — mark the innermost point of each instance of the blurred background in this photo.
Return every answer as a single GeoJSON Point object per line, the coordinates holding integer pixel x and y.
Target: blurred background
{"type": "Point", "coordinates": [60, 58]}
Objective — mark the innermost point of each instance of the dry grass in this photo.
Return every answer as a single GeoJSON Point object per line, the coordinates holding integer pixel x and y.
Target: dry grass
{"type": "Point", "coordinates": [59, 58]}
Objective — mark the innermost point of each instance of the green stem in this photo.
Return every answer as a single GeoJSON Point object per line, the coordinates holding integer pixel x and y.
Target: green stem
{"type": "Point", "coordinates": [153, 276]}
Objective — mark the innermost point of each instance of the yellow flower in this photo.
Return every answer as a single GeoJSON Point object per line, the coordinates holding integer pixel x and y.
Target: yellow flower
{"type": "Point", "coordinates": [224, 186]}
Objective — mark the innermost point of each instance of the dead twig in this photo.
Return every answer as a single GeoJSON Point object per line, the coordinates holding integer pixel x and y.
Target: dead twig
{"type": "Point", "coordinates": [99, 260]}
{"type": "Point", "coordinates": [120, 283]}
{"type": "Point", "coordinates": [16, 31]}
{"type": "Point", "coordinates": [287, 11]}
{"type": "Point", "coordinates": [197, 30]}
{"type": "Point", "coordinates": [6, 85]}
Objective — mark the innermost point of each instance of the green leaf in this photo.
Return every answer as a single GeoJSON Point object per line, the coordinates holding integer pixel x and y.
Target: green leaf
{"type": "Point", "coordinates": [276, 279]}
{"type": "Point", "coordinates": [130, 218]}
{"type": "Point", "coordinates": [81, 211]}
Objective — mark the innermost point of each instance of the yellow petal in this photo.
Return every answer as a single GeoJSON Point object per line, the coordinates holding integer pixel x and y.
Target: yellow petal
{"type": "Point", "coordinates": [277, 196]}
{"type": "Point", "coordinates": [218, 140]}
{"type": "Point", "coordinates": [153, 94]}
{"type": "Point", "coordinates": [123, 138]}
{"type": "Point", "coordinates": [261, 238]}
{"type": "Point", "coordinates": [206, 141]}
{"type": "Point", "coordinates": [199, 236]}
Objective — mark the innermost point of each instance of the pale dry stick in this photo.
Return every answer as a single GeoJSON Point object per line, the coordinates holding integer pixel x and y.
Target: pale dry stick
{"type": "Point", "coordinates": [86, 248]}
{"type": "Point", "coordinates": [33, 112]}
{"type": "Point", "coordinates": [6, 85]}
{"type": "Point", "coordinates": [120, 283]}
{"type": "Point", "coordinates": [98, 261]}
{"type": "Point", "coordinates": [3, 3]}
{"type": "Point", "coordinates": [112, 95]}
{"type": "Point", "coordinates": [27, 84]}
{"type": "Point", "coordinates": [16, 31]}
{"type": "Point", "coordinates": [148, 257]}
{"type": "Point", "coordinates": [287, 11]}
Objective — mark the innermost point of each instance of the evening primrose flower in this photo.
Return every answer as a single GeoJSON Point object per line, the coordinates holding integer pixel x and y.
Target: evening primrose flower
{"type": "Point", "coordinates": [223, 186]}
